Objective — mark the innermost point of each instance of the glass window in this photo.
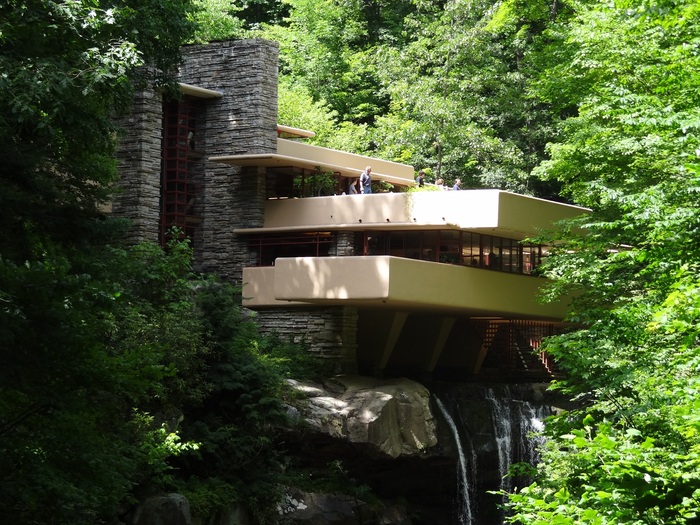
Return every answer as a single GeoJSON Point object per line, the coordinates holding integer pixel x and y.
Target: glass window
{"type": "Point", "coordinates": [396, 244]}
{"type": "Point", "coordinates": [429, 245]}
{"type": "Point", "coordinates": [266, 249]}
{"type": "Point", "coordinates": [449, 247]}
{"type": "Point", "coordinates": [446, 246]}
{"type": "Point", "coordinates": [412, 245]}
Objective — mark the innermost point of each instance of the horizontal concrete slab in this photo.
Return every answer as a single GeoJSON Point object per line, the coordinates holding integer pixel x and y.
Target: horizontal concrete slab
{"type": "Point", "coordinates": [397, 283]}
{"type": "Point", "coordinates": [491, 212]}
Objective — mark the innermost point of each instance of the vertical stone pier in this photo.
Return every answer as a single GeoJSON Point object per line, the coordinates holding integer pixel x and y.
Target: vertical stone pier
{"type": "Point", "coordinates": [243, 120]}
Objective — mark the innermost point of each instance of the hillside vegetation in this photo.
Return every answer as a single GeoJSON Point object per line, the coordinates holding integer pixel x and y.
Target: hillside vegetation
{"type": "Point", "coordinates": [120, 364]}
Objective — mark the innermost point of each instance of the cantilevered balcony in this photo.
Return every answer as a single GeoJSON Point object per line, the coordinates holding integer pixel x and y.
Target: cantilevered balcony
{"type": "Point", "coordinates": [394, 283]}
{"type": "Point", "coordinates": [399, 283]}
{"type": "Point", "coordinates": [294, 154]}
{"type": "Point", "coordinates": [492, 212]}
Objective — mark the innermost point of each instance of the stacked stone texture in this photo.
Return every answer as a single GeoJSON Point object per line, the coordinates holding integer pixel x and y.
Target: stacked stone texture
{"type": "Point", "coordinates": [139, 165]}
{"type": "Point", "coordinates": [242, 121]}
{"type": "Point", "coordinates": [326, 332]}
{"type": "Point", "coordinates": [344, 244]}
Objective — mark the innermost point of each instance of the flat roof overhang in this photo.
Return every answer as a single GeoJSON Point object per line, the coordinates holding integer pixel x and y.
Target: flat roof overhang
{"type": "Point", "coordinates": [294, 154]}
{"type": "Point", "coordinates": [290, 132]}
{"type": "Point", "coordinates": [398, 284]}
{"type": "Point", "coordinates": [199, 92]}
{"type": "Point", "coordinates": [491, 212]}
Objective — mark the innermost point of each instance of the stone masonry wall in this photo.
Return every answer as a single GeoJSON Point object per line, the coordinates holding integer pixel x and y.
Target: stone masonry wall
{"type": "Point", "coordinates": [243, 121]}
{"type": "Point", "coordinates": [344, 245]}
{"type": "Point", "coordinates": [328, 333]}
{"type": "Point", "coordinates": [138, 162]}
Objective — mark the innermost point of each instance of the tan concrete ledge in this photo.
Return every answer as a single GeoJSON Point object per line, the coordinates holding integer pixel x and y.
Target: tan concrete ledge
{"type": "Point", "coordinates": [296, 154]}
{"type": "Point", "coordinates": [491, 212]}
{"type": "Point", "coordinates": [199, 92]}
{"type": "Point", "coordinates": [397, 283]}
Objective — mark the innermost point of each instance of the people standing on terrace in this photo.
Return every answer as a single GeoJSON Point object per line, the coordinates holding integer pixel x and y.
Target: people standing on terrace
{"type": "Point", "coordinates": [457, 185]}
{"type": "Point", "coordinates": [366, 180]}
{"type": "Point", "coordinates": [352, 189]}
{"type": "Point", "coordinates": [440, 184]}
{"type": "Point", "coordinates": [421, 178]}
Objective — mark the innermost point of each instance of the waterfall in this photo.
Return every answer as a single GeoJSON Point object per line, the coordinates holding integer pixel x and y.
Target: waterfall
{"type": "Point", "coordinates": [502, 433]}
{"type": "Point", "coordinates": [531, 419]}
{"type": "Point", "coordinates": [492, 426]}
{"type": "Point", "coordinates": [464, 505]}
{"type": "Point", "coordinates": [514, 423]}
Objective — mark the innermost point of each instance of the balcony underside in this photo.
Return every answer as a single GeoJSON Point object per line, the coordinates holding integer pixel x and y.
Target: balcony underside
{"type": "Point", "coordinates": [293, 154]}
{"type": "Point", "coordinates": [443, 347]}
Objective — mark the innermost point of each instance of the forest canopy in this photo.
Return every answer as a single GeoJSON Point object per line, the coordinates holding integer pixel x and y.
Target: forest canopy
{"type": "Point", "coordinates": [596, 103]}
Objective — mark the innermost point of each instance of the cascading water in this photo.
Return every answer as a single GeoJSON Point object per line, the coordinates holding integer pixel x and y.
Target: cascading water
{"type": "Point", "coordinates": [502, 433]}
{"type": "Point", "coordinates": [492, 427]}
{"type": "Point", "coordinates": [464, 504]}
{"type": "Point", "coordinates": [531, 419]}
{"type": "Point", "coordinates": [515, 427]}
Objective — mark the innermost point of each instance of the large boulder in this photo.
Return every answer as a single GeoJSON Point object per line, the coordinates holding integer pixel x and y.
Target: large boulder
{"type": "Point", "coordinates": [166, 509]}
{"type": "Point", "coordinates": [336, 509]}
{"type": "Point", "coordinates": [392, 415]}
{"type": "Point", "coordinates": [319, 509]}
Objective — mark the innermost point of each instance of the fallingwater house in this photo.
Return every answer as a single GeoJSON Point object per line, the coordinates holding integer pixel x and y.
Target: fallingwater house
{"type": "Point", "coordinates": [424, 284]}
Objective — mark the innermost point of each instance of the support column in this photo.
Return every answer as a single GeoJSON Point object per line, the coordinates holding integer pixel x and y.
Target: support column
{"type": "Point", "coordinates": [444, 332]}
{"type": "Point", "coordinates": [397, 323]}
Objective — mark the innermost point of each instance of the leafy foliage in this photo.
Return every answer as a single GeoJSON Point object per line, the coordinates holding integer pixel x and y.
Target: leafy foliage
{"type": "Point", "coordinates": [137, 362]}
{"type": "Point", "coordinates": [75, 433]}
{"type": "Point", "coordinates": [435, 83]}
{"type": "Point", "coordinates": [104, 345]}
{"type": "Point", "coordinates": [629, 453]}
{"type": "Point", "coordinates": [77, 390]}
{"type": "Point", "coordinates": [217, 20]}
{"type": "Point", "coordinates": [66, 67]}
{"type": "Point", "coordinates": [298, 109]}
{"type": "Point", "coordinates": [120, 364]}
{"type": "Point", "coordinates": [239, 420]}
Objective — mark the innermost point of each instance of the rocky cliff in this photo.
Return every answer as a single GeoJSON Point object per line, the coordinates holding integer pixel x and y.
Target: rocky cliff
{"type": "Point", "coordinates": [380, 451]}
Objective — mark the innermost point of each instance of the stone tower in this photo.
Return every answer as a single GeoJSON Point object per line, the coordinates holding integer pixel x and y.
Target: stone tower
{"type": "Point", "coordinates": [228, 105]}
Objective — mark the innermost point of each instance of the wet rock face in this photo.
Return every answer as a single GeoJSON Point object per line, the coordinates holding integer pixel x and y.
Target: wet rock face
{"type": "Point", "coordinates": [381, 452]}
{"type": "Point", "coordinates": [390, 436]}
{"type": "Point", "coordinates": [382, 434]}
{"type": "Point", "coordinates": [391, 416]}
{"type": "Point", "coordinates": [330, 509]}
{"type": "Point", "coordinates": [167, 509]}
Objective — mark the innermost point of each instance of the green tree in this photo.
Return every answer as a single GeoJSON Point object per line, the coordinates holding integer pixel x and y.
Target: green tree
{"type": "Point", "coordinates": [226, 19]}
{"type": "Point", "coordinates": [90, 341]}
{"type": "Point", "coordinates": [461, 86]}
{"type": "Point", "coordinates": [239, 419]}
{"type": "Point", "coordinates": [629, 452]}
{"type": "Point", "coordinates": [76, 434]}
{"type": "Point", "coordinates": [66, 66]}
{"type": "Point", "coordinates": [217, 20]}
{"type": "Point", "coordinates": [297, 108]}
{"type": "Point", "coordinates": [239, 414]}
{"type": "Point", "coordinates": [324, 47]}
